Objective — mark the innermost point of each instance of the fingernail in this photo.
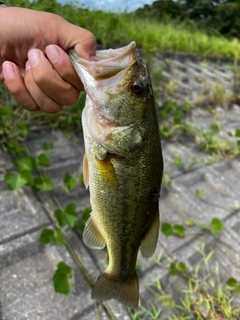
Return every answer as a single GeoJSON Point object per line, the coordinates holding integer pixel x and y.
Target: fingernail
{"type": "Point", "coordinates": [93, 58]}
{"type": "Point", "coordinates": [34, 57]}
{"type": "Point", "coordinates": [53, 54]}
{"type": "Point", "coordinates": [27, 66]}
{"type": "Point", "coordinates": [8, 70]}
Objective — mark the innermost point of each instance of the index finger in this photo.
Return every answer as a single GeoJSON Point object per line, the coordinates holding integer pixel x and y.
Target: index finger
{"type": "Point", "coordinates": [82, 40]}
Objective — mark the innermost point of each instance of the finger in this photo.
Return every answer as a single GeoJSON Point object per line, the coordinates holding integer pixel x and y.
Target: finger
{"type": "Point", "coordinates": [14, 82]}
{"type": "Point", "coordinates": [82, 40]}
{"type": "Point", "coordinates": [86, 48]}
{"type": "Point", "coordinates": [1, 75]}
{"type": "Point", "coordinates": [48, 81]}
{"type": "Point", "coordinates": [43, 101]}
{"type": "Point", "coordinates": [63, 66]}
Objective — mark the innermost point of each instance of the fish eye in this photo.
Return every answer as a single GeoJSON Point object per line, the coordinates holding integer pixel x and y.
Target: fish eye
{"type": "Point", "coordinates": [137, 87]}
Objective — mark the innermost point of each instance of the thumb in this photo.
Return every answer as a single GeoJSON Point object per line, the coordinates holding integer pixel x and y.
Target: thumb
{"type": "Point", "coordinates": [82, 40]}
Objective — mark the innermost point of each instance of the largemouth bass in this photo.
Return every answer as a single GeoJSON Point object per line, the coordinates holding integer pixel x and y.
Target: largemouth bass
{"type": "Point", "coordinates": [122, 166]}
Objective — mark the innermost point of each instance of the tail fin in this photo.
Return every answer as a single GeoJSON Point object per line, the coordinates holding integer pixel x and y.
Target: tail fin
{"type": "Point", "coordinates": [109, 287]}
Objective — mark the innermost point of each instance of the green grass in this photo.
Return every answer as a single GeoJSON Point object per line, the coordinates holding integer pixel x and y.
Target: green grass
{"type": "Point", "coordinates": [113, 29]}
{"type": "Point", "coordinates": [203, 295]}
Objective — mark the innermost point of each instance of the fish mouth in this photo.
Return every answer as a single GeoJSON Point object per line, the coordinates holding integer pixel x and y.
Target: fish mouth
{"type": "Point", "coordinates": [109, 62]}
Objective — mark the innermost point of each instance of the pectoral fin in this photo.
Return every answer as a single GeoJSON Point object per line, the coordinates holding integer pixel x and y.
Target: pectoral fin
{"type": "Point", "coordinates": [92, 236]}
{"type": "Point", "coordinates": [107, 171]}
{"type": "Point", "coordinates": [149, 242]}
{"type": "Point", "coordinates": [85, 171]}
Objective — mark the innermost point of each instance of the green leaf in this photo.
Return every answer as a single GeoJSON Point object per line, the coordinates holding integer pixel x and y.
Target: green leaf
{"type": "Point", "coordinates": [46, 146]}
{"type": "Point", "coordinates": [169, 183]}
{"type": "Point", "coordinates": [60, 216]}
{"type": "Point", "coordinates": [14, 181]}
{"type": "Point", "coordinates": [189, 222]}
{"type": "Point", "coordinates": [6, 112]}
{"type": "Point", "coordinates": [86, 213]}
{"type": "Point", "coordinates": [67, 216]}
{"type": "Point", "coordinates": [71, 214]}
{"type": "Point", "coordinates": [231, 282]}
{"type": "Point", "coordinates": [165, 132]}
{"type": "Point", "coordinates": [43, 183]}
{"type": "Point", "coordinates": [237, 133]}
{"type": "Point", "coordinates": [216, 225]}
{"type": "Point", "coordinates": [61, 283]}
{"type": "Point", "coordinates": [25, 164]}
{"type": "Point", "coordinates": [62, 278]}
{"type": "Point", "coordinates": [214, 127]}
{"type": "Point", "coordinates": [43, 160]}
{"type": "Point", "coordinates": [59, 238]}
{"type": "Point", "coordinates": [187, 106]}
{"type": "Point", "coordinates": [14, 146]}
{"type": "Point", "coordinates": [200, 192]}
{"type": "Point", "coordinates": [177, 120]}
{"type": "Point", "coordinates": [47, 236]}
{"type": "Point", "coordinates": [237, 288]}
{"type": "Point", "coordinates": [24, 127]}
{"type": "Point", "coordinates": [69, 181]}
{"type": "Point", "coordinates": [64, 268]}
{"type": "Point", "coordinates": [177, 161]}
{"type": "Point", "coordinates": [179, 230]}
{"type": "Point", "coordinates": [80, 226]}
{"type": "Point", "coordinates": [166, 229]}
{"type": "Point", "coordinates": [81, 181]}
{"type": "Point", "coordinates": [182, 267]}
{"type": "Point", "coordinates": [71, 208]}
{"type": "Point", "coordinates": [27, 175]}
{"type": "Point", "coordinates": [173, 269]}
{"type": "Point", "coordinates": [203, 226]}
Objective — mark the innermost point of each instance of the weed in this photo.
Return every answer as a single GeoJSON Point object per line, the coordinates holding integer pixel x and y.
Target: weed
{"type": "Point", "coordinates": [205, 296]}
{"type": "Point", "coordinates": [218, 96]}
{"type": "Point", "coordinates": [153, 36]}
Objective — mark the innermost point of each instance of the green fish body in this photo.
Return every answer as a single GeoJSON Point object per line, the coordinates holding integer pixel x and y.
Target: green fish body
{"type": "Point", "coordinates": [122, 166]}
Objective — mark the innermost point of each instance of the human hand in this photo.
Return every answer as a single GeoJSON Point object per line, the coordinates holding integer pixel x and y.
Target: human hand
{"type": "Point", "coordinates": [33, 63]}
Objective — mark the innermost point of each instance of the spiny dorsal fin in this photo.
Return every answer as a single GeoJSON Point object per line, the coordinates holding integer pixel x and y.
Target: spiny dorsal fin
{"type": "Point", "coordinates": [108, 287]}
{"type": "Point", "coordinates": [149, 242]}
{"type": "Point", "coordinates": [85, 171]}
{"type": "Point", "coordinates": [92, 236]}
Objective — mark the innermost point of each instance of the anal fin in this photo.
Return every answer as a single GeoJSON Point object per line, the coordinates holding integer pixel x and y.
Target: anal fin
{"type": "Point", "coordinates": [149, 242]}
{"type": "Point", "coordinates": [92, 236]}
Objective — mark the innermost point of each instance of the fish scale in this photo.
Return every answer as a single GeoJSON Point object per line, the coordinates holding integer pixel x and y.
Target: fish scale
{"type": "Point", "coordinates": [122, 166]}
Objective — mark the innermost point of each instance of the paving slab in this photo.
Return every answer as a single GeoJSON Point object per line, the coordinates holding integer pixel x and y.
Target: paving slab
{"type": "Point", "coordinates": [26, 267]}
{"type": "Point", "coordinates": [20, 214]}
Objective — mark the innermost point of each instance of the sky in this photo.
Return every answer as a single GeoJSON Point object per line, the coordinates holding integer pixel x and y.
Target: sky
{"type": "Point", "coordinates": [112, 5]}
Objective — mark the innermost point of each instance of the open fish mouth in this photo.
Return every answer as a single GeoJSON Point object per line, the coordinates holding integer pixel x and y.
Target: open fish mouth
{"type": "Point", "coordinates": [109, 62]}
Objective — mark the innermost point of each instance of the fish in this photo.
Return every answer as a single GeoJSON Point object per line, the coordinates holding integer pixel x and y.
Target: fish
{"type": "Point", "coordinates": [122, 166]}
